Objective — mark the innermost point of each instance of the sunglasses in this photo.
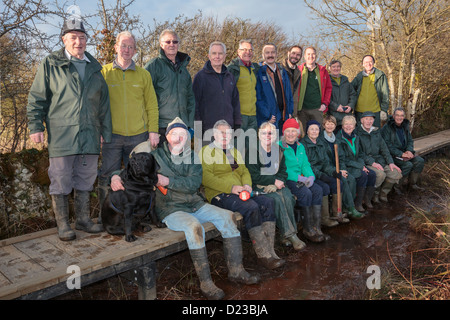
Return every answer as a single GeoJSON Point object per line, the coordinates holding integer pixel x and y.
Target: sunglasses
{"type": "Point", "coordinates": [171, 41]}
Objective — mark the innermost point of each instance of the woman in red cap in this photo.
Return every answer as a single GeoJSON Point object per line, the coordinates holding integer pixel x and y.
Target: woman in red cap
{"type": "Point", "coordinates": [300, 181]}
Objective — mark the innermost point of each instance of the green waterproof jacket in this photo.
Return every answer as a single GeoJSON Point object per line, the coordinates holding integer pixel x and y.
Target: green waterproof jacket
{"type": "Point", "coordinates": [76, 113]}
{"type": "Point", "coordinates": [185, 177]}
{"type": "Point", "coordinates": [353, 162]}
{"type": "Point", "coordinates": [296, 162]}
{"type": "Point", "coordinates": [381, 86]}
{"type": "Point", "coordinates": [318, 157]}
{"type": "Point", "coordinates": [393, 143]}
{"type": "Point", "coordinates": [342, 94]}
{"type": "Point", "coordinates": [265, 169]}
{"type": "Point", "coordinates": [373, 146]}
{"type": "Point", "coordinates": [173, 87]}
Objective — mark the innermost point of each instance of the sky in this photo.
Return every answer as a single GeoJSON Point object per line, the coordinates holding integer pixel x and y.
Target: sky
{"type": "Point", "coordinates": [290, 15]}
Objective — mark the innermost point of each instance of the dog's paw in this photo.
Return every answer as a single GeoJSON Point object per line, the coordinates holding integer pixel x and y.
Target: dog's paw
{"type": "Point", "coordinates": [130, 238]}
{"type": "Point", "coordinates": [160, 225]}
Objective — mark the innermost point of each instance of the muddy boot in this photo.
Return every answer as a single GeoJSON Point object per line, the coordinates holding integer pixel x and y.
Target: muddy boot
{"type": "Point", "coordinates": [261, 247]}
{"type": "Point", "coordinates": [368, 196]}
{"type": "Point", "coordinates": [82, 213]}
{"type": "Point", "coordinates": [232, 248]}
{"type": "Point", "coordinates": [317, 217]}
{"type": "Point", "coordinates": [385, 188]}
{"type": "Point", "coordinates": [296, 243]}
{"type": "Point", "coordinates": [376, 196]}
{"type": "Point", "coordinates": [201, 265]}
{"type": "Point", "coordinates": [398, 187]}
{"type": "Point", "coordinates": [359, 198]}
{"type": "Point", "coordinates": [335, 215]}
{"type": "Point", "coordinates": [269, 230]}
{"type": "Point", "coordinates": [308, 225]}
{"type": "Point", "coordinates": [413, 178]}
{"type": "Point", "coordinates": [325, 215]}
{"type": "Point", "coordinates": [60, 205]}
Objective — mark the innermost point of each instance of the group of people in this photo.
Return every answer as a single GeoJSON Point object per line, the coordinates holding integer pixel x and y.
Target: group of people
{"type": "Point", "coordinates": [285, 176]}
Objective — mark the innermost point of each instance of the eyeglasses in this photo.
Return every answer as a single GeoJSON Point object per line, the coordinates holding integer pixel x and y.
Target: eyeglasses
{"type": "Point", "coordinates": [123, 47]}
{"type": "Point", "coordinates": [246, 50]}
{"type": "Point", "coordinates": [171, 41]}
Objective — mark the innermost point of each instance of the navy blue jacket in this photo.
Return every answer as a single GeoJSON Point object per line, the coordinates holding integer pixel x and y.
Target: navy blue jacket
{"type": "Point", "coordinates": [216, 97]}
{"type": "Point", "coordinates": [266, 102]}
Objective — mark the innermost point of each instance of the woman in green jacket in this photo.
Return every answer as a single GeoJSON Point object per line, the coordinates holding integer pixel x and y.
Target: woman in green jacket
{"type": "Point", "coordinates": [267, 167]}
{"type": "Point", "coordinates": [300, 181]}
{"type": "Point", "coordinates": [359, 177]}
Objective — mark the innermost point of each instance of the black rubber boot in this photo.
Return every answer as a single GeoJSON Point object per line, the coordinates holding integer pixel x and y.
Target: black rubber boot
{"type": "Point", "coordinates": [360, 191]}
{"type": "Point", "coordinates": [60, 204]}
{"type": "Point", "coordinates": [82, 213]}
{"type": "Point", "coordinates": [368, 196]}
{"type": "Point", "coordinates": [261, 248]}
{"type": "Point", "coordinates": [308, 225]}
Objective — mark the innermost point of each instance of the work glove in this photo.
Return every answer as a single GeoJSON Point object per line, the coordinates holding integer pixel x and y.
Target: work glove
{"type": "Point", "coordinates": [270, 188]}
{"type": "Point", "coordinates": [383, 115]}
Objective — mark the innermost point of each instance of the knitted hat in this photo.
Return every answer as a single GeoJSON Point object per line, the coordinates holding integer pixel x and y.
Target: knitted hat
{"type": "Point", "coordinates": [310, 123]}
{"type": "Point", "coordinates": [290, 123]}
{"type": "Point", "coordinates": [176, 123]}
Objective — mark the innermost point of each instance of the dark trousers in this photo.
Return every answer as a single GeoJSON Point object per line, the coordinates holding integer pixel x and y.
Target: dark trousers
{"type": "Point", "coordinates": [255, 210]}
{"type": "Point", "coordinates": [306, 196]}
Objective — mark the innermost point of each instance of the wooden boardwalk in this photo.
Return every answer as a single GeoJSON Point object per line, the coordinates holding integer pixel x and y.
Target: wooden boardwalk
{"type": "Point", "coordinates": [432, 142]}
{"type": "Point", "coordinates": [34, 266]}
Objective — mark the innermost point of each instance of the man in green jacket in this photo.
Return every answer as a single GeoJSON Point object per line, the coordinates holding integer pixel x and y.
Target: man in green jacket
{"type": "Point", "coordinates": [134, 110]}
{"type": "Point", "coordinates": [372, 91]}
{"type": "Point", "coordinates": [172, 83]}
{"type": "Point", "coordinates": [182, 208]}
{"type": "Point", "coordinates": [71, 97]}
{"type": "Point", "coordinates": [401, 146]}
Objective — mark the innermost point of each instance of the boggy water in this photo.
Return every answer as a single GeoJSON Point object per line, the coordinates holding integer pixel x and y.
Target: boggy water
{"type": "Point", "coordinates": [337, 268]}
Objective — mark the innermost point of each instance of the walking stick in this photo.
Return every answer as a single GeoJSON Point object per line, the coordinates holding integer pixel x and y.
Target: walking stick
{"type": "Point", "coordinates": [339, 197]}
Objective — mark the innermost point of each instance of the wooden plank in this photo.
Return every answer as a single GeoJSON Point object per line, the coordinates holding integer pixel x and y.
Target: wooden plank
{"type": "Point", "coordinates": [432, 142]}
{"type": "Point", "coordinates": [42, 251]}
{"type": "Point", "coordinates": [17, 266]}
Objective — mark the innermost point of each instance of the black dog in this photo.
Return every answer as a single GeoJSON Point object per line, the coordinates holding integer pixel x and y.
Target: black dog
{"type": "Point", "coordinates": [124, 210]}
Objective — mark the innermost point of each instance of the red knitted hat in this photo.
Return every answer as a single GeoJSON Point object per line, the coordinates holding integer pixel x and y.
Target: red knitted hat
{"type": "Point", "coordinates": [291, 123]}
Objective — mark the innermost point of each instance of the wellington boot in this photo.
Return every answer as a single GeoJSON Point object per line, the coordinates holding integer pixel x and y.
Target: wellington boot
{"type": "Point", "coordinates": [317, 217]}
{"type": "Point", "coordinates": [325, 214]}
{"type": "Point", "coordinates": [82, 213]}
{"type": "Point", "coordinates": [360, 191]}
{"type": "Point", "coordinates": [335, 215]}
{"type": "Point", "coordinates": [413, 179]}
{"type": "Point", "coordinates": [232, 248]}
{"type": "Point", "coordinates": [385, 188]}
{"type": "Point", "coordinates": [376, 197]}
{"type": "Point", "coordinates": [297, 244]}
{"type": "Point", "coordinates": [261, 247]}
{"type": "Point", "coordinates": [368, 196]}
{"type": "Point", "coordinates": [201, 265]}
{"type": "Point", "coordinates": [60, 204]}
{"type": "Point", "coordinates": [308, 225]}
{"type": "Point", "coordinates": [269, 228]}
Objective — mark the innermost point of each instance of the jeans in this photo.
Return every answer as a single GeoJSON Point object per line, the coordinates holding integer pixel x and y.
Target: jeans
{"type": "Point", "coordinates": [191, 224]}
